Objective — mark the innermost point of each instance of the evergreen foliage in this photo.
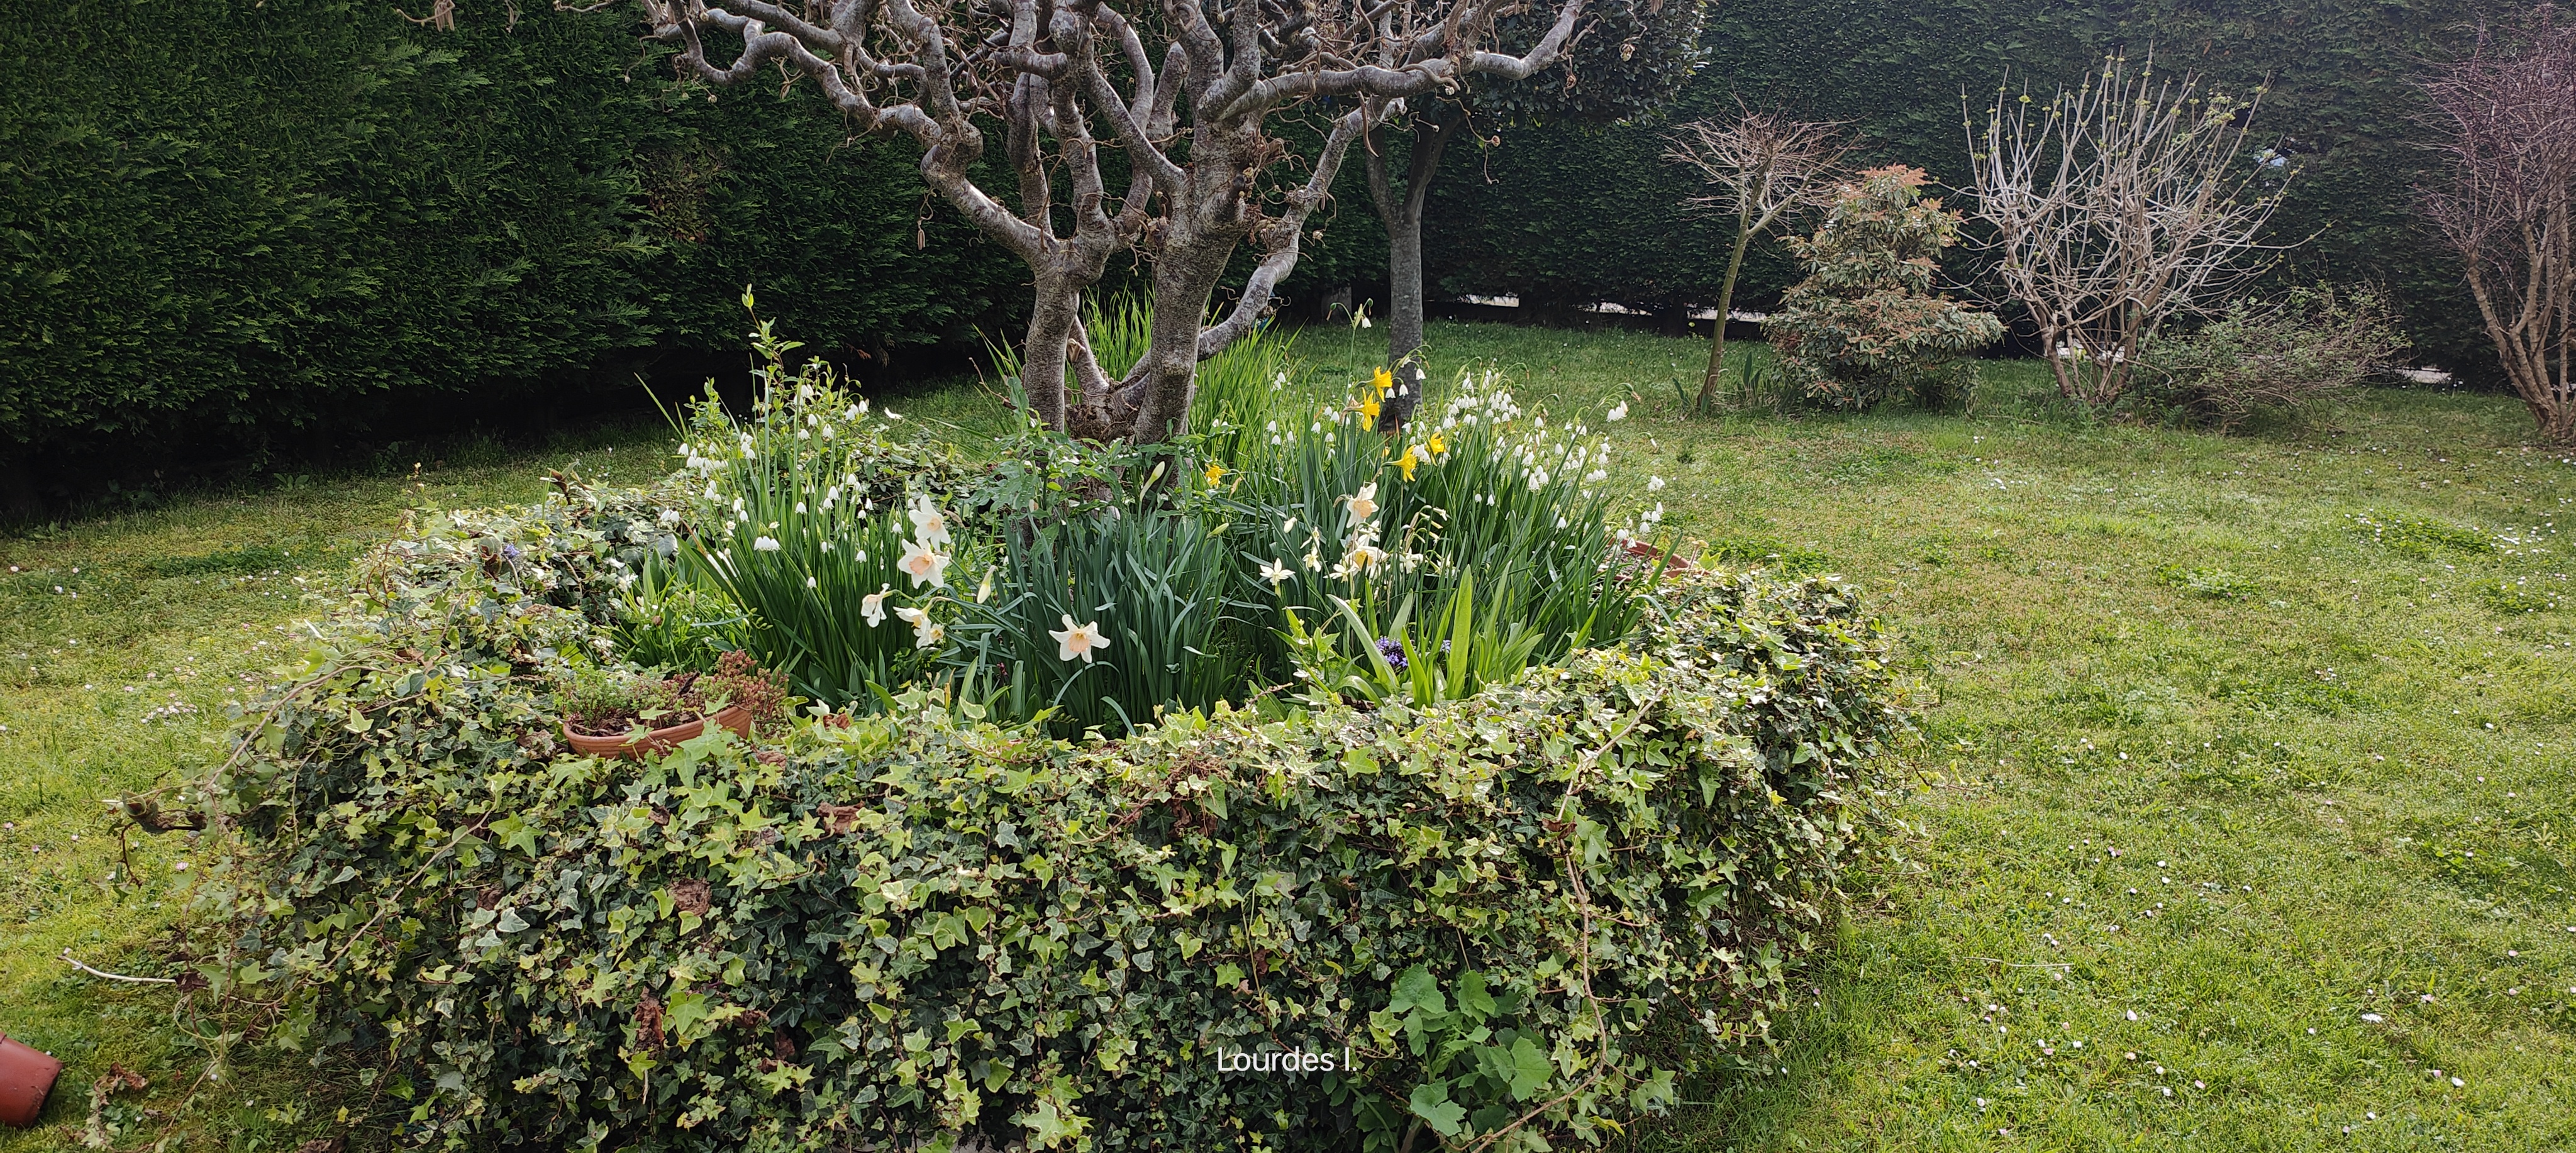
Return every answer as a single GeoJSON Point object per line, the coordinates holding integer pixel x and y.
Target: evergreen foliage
{"type": "Point", "coordinates": [1867, 325]}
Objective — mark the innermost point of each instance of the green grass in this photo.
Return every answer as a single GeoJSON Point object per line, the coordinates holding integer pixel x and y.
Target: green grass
{"type": "Point", "coordinates": [2316, 685]}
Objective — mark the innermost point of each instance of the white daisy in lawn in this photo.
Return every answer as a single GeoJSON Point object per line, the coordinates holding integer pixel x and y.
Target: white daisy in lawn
{"type": "Point", "coordinates": [872, 606]}
{"type": "Point", "coordinates": [924, 633]}
{"type": "Point", "coordinates": [924, 565]}
{"type": "Point", "coordinates": [1275, 572]}
{"type": "Point", "coordinates": [1078, 640]}
{"type": "Point", "coordinates": [1363, 505]}
{"type": "Point", "coordinates": [927, 522]}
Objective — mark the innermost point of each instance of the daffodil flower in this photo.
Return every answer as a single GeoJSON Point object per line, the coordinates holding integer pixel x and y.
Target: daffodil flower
{"type": "Point", "coordinates": [927, 522]}
{"type": "Point", "coordinates": [1384, 381]}
{"type": "Point", "coordinates": [1215, 473]}
{"type": "Point", "coordinates": [924, 632]}
{"type": "Point", "coordinates": [1078, 640]}
{"type": "Point", "coordinates": [872, 606]}
{"type": "Point", "coordinates": [1363, 505]}
{"type": "Point", "coordinates": [1404, 464]}
{"type": "Point", "coordinates": [984, 591]}
{"type": "Point", "coordinates": [924, 565]}
{"type": "Point", "coordinates": [1276, 572]}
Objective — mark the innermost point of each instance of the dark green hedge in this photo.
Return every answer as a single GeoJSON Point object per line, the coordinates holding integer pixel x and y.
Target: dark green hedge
{"type": "Point", "coordinates": [223, 223]}
{"type": "Point", "coordinates": [1575, 214]}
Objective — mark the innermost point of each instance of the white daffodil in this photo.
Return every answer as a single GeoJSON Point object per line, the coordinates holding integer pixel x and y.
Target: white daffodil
{"type": "Point", "coordinates": [1276, 571]}
{"type": "Point", "coordinates": [1363, 505]}
{"type": "Point", "coordinates": [1362, 555]}
{"type": "Point", "coordinates": [1078, 640]}
{"type": "Point", "coordinates": [872, 606]}
{"type": "Point", "coordinates": [927, 522]}
{"type": "Point", "coordinates": [984, 591]}
{"type": "Point", "coordinates": [924, 633]}
{"type": "Point", "coordinates": [924, 565]}
{"type": "Point", "coordinates": [764, 544]}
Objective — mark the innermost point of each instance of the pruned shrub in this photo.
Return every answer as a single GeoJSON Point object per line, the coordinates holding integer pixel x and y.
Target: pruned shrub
{"type": "Point", "coordinates": [2270, 357]}
{"type": "Point", "coordinates": [1866, 326]}
{"type": "Point", "coordinates": [869, 931]}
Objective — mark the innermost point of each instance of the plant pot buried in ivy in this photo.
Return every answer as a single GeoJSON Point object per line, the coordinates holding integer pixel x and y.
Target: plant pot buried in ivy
{"type": "Point", "coordinates": [620, 713]}
{"type": "Point", "coordinates": [630, 743]}
{"type": "Point", "coordinates": [26, 1078]}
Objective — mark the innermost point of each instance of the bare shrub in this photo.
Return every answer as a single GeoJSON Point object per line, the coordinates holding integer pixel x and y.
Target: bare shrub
{"type": "Point", "coordinates": [2117, 207]}
{"type": "Point", "coordinates": [2507, 115]}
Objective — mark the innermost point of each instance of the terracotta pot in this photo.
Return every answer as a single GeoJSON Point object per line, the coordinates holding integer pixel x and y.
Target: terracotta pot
{"type": "Point", "coordinates": [630, 746]}
{"type": "Point", "coordinates": [1673, 563]}
{"type": "Point", "coordinates": [26, 1077]}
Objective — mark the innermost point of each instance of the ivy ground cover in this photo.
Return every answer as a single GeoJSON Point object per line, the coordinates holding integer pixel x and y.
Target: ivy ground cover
{"type": "Point", "coordinates": [2313, 605]}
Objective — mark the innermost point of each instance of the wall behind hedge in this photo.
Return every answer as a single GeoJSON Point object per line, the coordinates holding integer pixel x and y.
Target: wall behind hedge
{"type": "Point", "coordinates": [1580, 215]}
{"type": "Point", "coordinates": [231, 231]}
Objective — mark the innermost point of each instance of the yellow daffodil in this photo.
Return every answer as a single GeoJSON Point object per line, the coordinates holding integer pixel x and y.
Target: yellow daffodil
{"type": "Point", "coordinates": [1385, 382]}
{"type": "Point", "coordinates": [1215, 473]}
{"type": "Point", "coordinates": [1404, 464]}
{"type": "Point", "coordinates": [1437, 445]}
{"type": "Point", "coordinates": [1367, 408]}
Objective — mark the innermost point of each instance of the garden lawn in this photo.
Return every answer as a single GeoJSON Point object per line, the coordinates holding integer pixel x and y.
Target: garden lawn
{"type": "Point", "coordinates": [2230, 742]}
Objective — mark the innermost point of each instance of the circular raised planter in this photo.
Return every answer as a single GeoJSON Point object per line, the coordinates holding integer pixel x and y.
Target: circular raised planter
{"type": "Point", "coordinates": [26, 1078]}
{"type": "Point", "coordinates": [632, 745]}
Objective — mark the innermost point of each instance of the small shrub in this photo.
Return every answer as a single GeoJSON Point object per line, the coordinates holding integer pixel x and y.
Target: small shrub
{"type": "Point", "coordinates": [2275, 356]}
{"type": "Point", "coordinates": [1865, 326]}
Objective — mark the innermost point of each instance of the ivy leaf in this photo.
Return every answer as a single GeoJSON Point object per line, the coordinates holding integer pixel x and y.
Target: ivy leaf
{"type": "Point", "coordinates": [510, 922]}
{"type": "Point", "coordinates": [1430, 1101]}
{"type": "Point", "coordinates": [1473, 1000]}
{"type": "Point", "coordinates": [1416, 988]}
{"type": "Point", "coordinates": [1529, 1069]}
{"type": "Point", "coordinates": [514, 832]}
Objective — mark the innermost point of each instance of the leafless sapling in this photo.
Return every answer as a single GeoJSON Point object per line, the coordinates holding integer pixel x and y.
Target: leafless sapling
{"type": "Point", "coordinates": [1760, 166]}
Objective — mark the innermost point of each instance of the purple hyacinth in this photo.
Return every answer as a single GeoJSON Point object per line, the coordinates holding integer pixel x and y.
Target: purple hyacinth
{"type": "Point", "coordinates": [1393, 650]}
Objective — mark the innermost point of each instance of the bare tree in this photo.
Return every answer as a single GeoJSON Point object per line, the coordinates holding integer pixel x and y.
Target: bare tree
{"type": "Point", "coordinates": [1186, 90]}
{"type": "Point", "coordinates": [2117, 207]}
{"type": "Point", "coordinates": [2507, 113]}
{"type": "Point", "coordinates": [1760, 166]}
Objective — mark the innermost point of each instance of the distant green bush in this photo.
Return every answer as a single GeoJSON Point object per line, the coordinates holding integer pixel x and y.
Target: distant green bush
{"type": "Point", "coordinates": [2275, 356]}
{"type": "Point", "coordinates": [876, 930]}
{"type": "Point", "coordinates": [1867, 325]}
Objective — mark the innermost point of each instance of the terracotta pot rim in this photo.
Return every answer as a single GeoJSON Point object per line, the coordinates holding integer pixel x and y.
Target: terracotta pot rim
{"type": "Point", "coordinates": [735, 717]}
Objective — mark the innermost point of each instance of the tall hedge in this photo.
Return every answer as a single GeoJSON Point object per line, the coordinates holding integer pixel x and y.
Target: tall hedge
{"type": "Point", "coordinates": [1569, 214]}
{"type": "Point", "coordinates": [225, 224]}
